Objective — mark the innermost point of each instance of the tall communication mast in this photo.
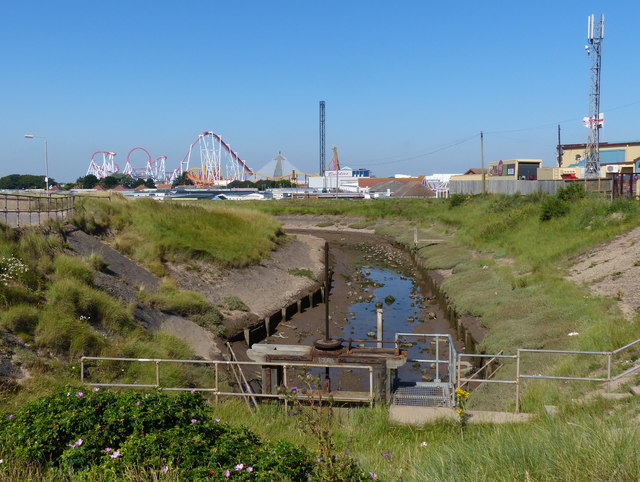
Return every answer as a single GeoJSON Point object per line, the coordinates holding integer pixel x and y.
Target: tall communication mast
{"type": "Point", "coordinates": [595, 34]}
{"type": "Point", "coordinates": [322, 138]}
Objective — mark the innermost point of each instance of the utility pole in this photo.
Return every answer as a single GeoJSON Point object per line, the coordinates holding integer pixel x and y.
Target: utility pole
{"type": "Point", "coordinates": [484, 180]}
{"type": "Point", "coordinates": [560, 150]}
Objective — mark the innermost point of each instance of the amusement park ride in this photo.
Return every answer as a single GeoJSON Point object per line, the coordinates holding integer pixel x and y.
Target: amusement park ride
{"type": "Point", "coordinates": [218, 164]}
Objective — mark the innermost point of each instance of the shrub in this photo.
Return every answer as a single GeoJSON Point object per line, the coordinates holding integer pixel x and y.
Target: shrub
{"type": "Point", "coordinates": [457, 200]}
{"type": "Point", "coordinates": [571, 192]}
{"type": "Point", "coordinates": [554, 207]}
{"type": "Point", "coordinates": [92, 433]}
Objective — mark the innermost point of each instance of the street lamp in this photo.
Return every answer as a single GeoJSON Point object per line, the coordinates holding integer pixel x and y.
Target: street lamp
{"type": "Point", "coordinates": [46, 158]}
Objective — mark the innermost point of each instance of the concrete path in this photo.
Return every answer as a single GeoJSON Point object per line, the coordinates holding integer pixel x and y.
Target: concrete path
{"type": "Point", "coordinates": [420, 415]}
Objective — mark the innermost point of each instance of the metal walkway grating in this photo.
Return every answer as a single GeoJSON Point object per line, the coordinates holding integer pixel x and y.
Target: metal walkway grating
{"type": "Point", "coordinates": [423, 395]}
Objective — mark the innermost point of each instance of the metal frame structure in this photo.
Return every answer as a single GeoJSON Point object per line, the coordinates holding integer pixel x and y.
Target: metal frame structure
{"type": "Point", "coordinates": [107, 167]}
{"type": "Point", "coordinates": [322, 138]}
{"type": "Point", "coordinates": [217, 161]}
{"type": "Point", "coordinates": [595, 35]}
{"type": "Point", "coordinates": [368, 397]}
{"type": "Point", "coordinates": [521, 375]}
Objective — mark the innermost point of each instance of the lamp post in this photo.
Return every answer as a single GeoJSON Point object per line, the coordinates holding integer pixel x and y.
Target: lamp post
{"type": "Point", "coordinates": [46, 158]}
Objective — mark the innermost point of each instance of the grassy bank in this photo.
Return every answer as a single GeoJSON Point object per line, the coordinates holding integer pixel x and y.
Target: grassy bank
{"type": "Point", "coordinates": [507, 258]}
{"type": "Point", "coordinates": [594, 441]}
{"type": "Point", "coordinates": [152, 233]}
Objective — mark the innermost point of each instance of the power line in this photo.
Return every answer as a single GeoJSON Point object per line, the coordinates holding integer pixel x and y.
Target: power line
{"type": "Point", "coordinates": [424, 154]}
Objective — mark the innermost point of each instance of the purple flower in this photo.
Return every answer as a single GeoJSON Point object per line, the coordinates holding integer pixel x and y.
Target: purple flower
{"type": "Point", "coordinates": [10, 416]}
{"type": "Point", "coordinates": [293, 389]}
{"type": "Point", "coordinates": [239, 466]}
{"type": "Point", "coordinates": [346, 452]}
{"type": "Point", "coordinates": [79, 394]}
{"type": "Point", "coordinates": [165, 469]}
{"type": "Point", "coordinates": [372, 475]}
{"type": "Point", "coordinates": [193, 390]}
{"type": "Point", "coordinates": [96, 389]}
{"type": "Point", "coordinates": [227, 474]}
{"type": "Point", "coordinates": [292, 414]}
{"type": "Point", "coordinates": [193, 420]}
{"type": "Point", "coordinates": [77, 443]}
{"type": "Point", "coordinates": [115, 454]}
{"type": "Point", "coordinates": [386, 455]}
{"type": "Point", "coordinates": [137, 404]}
{"type": "Point", "coordinates": [249, 469]}
{"type": "Point", "coordinates": [108, 449]}
{"type": "Point", "coordinates": [216, 419]}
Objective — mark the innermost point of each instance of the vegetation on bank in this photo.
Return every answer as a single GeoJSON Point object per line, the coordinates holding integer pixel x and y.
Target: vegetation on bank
{"type": "Point", "coordinates": [154, 233]}
{"type": "Point", "coordinates": [84, 434]}
{"type": "Point", "coordinates": [507, 257]}
{"type": "Point", "coordinates": [52, 314]}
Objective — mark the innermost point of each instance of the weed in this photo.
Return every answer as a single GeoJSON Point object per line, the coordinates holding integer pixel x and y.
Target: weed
{"type": "Point", "coordinates": [305, 272]}
{"type": "Point", "coordinates": [233, 303]}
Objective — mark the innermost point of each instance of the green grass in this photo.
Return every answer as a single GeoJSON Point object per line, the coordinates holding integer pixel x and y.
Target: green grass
{"type": "Point", "coordinates": [305, 272]}
{"type": "Point", "coordinates": [186, 303]}
{"type": "Point", "coordinates": [561, 448]}
{"type": "Point", "coordinates": [153, 233]}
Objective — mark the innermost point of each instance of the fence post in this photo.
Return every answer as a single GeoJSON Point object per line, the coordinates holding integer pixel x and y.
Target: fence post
{"type": "Point", "coordinates": [437, 358]}
{"type": "Point", "coordinates": [609, 357]}
{"type": "Point", "coordinates": [82, 370]}
{"type": "Point", "coordinates": [157, 373]}
{"type": "Point", "coordinates": [217, 383]}
{"type": "Point", "coordinates": [284, 380]}
{"type": "Point", "coordinates": [371, 397]}
{"type": "Point", "coordinates": [518, 382]}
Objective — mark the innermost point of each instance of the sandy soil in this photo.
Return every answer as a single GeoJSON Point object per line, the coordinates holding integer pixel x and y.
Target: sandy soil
{"type": "Point", "coordinates": [264, 288]}
{"type": "Point", "coordinates": [613, 269]}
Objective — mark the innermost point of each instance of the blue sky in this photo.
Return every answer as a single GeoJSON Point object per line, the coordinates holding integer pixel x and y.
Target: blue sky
{"type": "Point", "coordinates": [408, 85]}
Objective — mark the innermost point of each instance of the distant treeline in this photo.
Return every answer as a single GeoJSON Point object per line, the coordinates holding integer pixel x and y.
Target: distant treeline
{"type": "Point", "coordinates": [24, 181]}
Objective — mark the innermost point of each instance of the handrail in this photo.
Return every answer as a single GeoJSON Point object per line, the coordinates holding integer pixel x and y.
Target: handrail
{"type": "Point", "coordinates": [353, 397]}
{"type": "Point", "coordinates": [527, 376]}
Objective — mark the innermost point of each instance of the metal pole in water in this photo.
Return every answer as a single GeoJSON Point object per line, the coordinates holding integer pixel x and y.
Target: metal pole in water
{"type": "Point", "coordinates": [379, 325]}
{"type": "Point", "coordinates": [326, 290]}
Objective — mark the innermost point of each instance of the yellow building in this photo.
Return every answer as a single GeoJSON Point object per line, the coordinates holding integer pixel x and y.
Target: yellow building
{"type": "Point", "coordinates": [620, 157]}
{"type": "Point", "coordinates": [520, 169]}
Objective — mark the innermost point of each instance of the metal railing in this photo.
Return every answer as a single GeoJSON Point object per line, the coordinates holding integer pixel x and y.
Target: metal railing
{"type": "Point", "coordinates": [287, 368]}
{"type": "Point", "coordinates": [449, 352]}
{"type": "Point", "coordinates": [26, 209]}
{"type": "Point", "coordinates": [607, 367]}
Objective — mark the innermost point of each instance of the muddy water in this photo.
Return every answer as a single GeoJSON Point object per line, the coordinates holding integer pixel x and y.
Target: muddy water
{"type": "Point", "coordinates": [366, 273]}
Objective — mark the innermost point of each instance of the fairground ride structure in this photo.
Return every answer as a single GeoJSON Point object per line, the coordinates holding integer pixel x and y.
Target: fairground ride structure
{"type": "Point", "coordinates": [218, 164]}
{"type": "Point", "coordinates": [108, 166]}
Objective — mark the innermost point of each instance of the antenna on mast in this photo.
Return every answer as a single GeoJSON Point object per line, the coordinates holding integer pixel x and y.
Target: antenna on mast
{"type": "Point", "coordinates": [595, 35]}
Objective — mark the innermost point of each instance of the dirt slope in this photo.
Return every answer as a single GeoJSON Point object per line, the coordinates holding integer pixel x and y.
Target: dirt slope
{"type": "Point", "coordinates": [613, 269]}
{"type": "Point", "coordinates": [122, 280]}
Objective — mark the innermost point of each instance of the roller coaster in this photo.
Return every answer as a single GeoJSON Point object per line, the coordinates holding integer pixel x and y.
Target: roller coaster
{"type": "Point", "coordinates": [218, 164]}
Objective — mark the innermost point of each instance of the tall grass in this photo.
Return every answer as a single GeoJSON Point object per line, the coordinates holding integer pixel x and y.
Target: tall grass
{"type": "Point", "coordinates": [153, 232]}
{"type": "Point", "coordinates": [579, 444]}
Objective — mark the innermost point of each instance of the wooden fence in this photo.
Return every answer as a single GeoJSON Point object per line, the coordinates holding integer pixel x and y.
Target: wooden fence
{"type": "Point", "coordinates": [25, 209]}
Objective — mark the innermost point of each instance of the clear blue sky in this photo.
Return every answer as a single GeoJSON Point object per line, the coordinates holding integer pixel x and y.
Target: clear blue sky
{"type": "Point", "coordinates": [401, 80]}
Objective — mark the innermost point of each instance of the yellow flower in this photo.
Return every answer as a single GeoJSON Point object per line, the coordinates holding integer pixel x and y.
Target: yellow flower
{"type": "Point", "coordinates": [460, 393]}
{"type": "Point", "coordinates": [460, 411]}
